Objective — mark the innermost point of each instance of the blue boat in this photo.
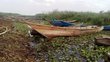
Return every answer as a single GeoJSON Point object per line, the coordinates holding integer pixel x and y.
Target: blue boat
{"type": "Point", "coordinates": [107, 28]}
{"type": "Point", "coordinates": [61, 23]}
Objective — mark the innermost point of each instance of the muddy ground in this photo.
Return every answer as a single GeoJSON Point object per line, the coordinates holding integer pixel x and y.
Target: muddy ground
{"type": "Point", "coordinates": [14, 47]}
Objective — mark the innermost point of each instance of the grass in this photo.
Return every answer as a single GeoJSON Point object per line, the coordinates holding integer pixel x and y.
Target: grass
{"type": "Point", "coordinates": [20, 27]}
{"type": "Point", "coordinates": [101, 18]}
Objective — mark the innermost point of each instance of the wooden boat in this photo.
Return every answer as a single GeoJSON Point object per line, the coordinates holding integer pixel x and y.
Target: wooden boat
{"type": "Point", "coordinates": [53, 31]}
{"type": "Point", "coordinates": [103, 41]}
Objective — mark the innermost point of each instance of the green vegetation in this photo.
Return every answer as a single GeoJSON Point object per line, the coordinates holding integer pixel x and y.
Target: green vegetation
{"type": "Point", "coordinates": [9, 14]}
{"type": "Point", "coordinates": [101, 18]}
{"type": "Point", "coordinates": [75, 49]}
{"type": "Point", "coordinates": [20, 27]}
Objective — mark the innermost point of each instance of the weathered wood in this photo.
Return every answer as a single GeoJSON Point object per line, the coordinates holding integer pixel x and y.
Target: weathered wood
{"type": "Point", "coordinates": [53, 31]}
{"type": "Point", "coordinates": [102, 41]}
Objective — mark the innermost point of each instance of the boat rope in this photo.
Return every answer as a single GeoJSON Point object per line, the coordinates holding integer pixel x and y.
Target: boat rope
{"type": "Point", "coordinates": [6, 30]}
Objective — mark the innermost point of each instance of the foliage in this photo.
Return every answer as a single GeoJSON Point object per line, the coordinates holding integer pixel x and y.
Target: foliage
{"type": "Point", "coordinates": [102, 18]}
{"type": "Point", "coordinates": [20, 27]}
{"type": "Point", "coordinates": [75, 49]}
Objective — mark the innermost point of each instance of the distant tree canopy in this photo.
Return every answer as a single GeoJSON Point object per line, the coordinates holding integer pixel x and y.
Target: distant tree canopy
{"type": "Point", "coordinates": [9, 14]}
{"type": "Point", "coordinates": [101, 18]}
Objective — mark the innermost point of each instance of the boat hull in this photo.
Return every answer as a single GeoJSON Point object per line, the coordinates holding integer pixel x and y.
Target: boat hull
{"type": "Point", "coordinates": [102, 41]}
{"type": "Point", "coordinates": [53, 31]}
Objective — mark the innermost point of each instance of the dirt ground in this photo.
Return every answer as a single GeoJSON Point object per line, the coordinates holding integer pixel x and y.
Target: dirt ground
{"type": "Point", "coordinates": [14, 47]}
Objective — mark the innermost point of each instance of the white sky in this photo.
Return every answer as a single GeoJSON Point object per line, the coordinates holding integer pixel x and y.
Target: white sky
{"type": "Point", "coordinates": [31, 7]}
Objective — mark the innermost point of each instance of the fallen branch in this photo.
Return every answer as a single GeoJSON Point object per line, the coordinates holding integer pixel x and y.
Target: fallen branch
{"type": "Point", "coordinates": [6, 30]}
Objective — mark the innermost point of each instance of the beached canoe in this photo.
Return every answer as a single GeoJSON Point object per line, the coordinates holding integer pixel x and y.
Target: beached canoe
{"type": "Point", "coordinates": [60, 23]}
{"type": "Point", "coordinates": [53, 31]}
{"type": "Point", "coordinates": [103, 41]}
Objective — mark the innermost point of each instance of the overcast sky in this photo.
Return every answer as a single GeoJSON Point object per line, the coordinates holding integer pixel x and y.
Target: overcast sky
{"type": "Point", "coordinates": [31, 7]}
